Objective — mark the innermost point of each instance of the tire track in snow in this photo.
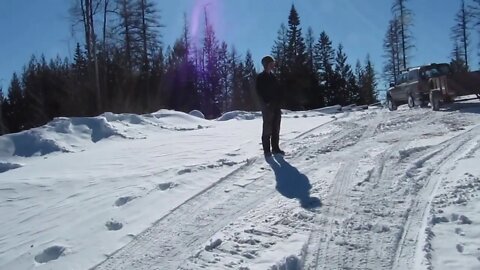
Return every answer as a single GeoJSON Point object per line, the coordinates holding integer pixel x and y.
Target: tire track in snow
{"type": "Point", "coordinates": [376, 179]}
{"type": "Point", "coordinates": [347, 255]}
{"type": "Point", "coordinates": [433, 163]}
{"type": "Point", "coordinates": [376, 251]}
{"type": "Point", "coordinates": [318, 241]}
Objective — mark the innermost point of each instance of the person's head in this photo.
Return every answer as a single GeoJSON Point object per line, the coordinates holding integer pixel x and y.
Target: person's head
{"type": "Point", "coordinates": [268, 63]}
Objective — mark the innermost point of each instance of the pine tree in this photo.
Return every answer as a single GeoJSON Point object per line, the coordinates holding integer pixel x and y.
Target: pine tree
{"type": "Point", "coordinates": [324, 57]}
{"type": "Point", "coordinates": [3, 128]}
{"type": "Point", "coordinates": [310, 44]}
{"type": "Point", "coordinates": [106, 11]}
{"type": "Point", "coordinates": [353, 89]}
{"type": "Point", "coordinates": [85, 11]}
{"type": "Point", "coordinates": [237, 68]}
{"type": "Point", "coordinates": [79, 101]}
{"type": "Point", "coordinates": [279, 52]}
{"type": "Point", "coordinates": [314, 95]}
{"type": "Point", "coordinates": [458, 63]}
{"type": "Point", "coordinates": [360, 78]}
{"type": "Point", "coordinates": [461, 33]}
{"type": "Point", "coordinates": [248, 84]}
{"type": "Point", "coordinates": [405, 21]}
{"type": "Point", "coordinates": [15, 107]}
{"type": "Point", "coordinates": [296, 56]}
{"type": "Point", "coordinates": [148, 37]}
{"type": "Point", "coordinates": [188, 73]}
{"type": "Point", "coordinates": [368, 92]}
{"type": "Point", "coordinates": [127, 25]}
{"type": "Point", "coordinates": [297, 77]}
{"type": "Point", "coordinates": [211, 87]}
{"type": "Point", "coordinates": [344, 75]}
{"type": "Point", "coordinates": [475, 13]}
{"type": "Point", "coordinates": [225, 77]}
{"type": "Point", "coordinates": [391, 46]}
{"type": "Point", "coordinates": [174, 90]}
{"type": "Point", "coordinates": [35, 91]}
{"type": "Point", "coordinates": [148, 32]}
{"type": "Point", "coordinates": [80, 63]}
{"type": "Point", "coordinates": [158, 77]}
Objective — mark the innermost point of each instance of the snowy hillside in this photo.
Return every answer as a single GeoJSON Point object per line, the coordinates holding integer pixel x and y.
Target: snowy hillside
{"type": "Point", "coordinates": [368, 189]}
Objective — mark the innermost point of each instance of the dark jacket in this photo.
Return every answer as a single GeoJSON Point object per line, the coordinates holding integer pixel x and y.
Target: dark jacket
{"type": "Point", "coordinates": [268, 89]}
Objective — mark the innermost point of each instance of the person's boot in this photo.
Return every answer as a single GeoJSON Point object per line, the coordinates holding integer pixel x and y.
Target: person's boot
{"type": "Point", "coordinates": [266, 146]}
{"type": "Point", "coordinates": [275, 146]}
{"type": "Point", "coordinates": [278, 152]}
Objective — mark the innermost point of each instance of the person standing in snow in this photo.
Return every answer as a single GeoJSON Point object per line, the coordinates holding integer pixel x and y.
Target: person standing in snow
{"type": "Point", "coordinates": [269, 91]}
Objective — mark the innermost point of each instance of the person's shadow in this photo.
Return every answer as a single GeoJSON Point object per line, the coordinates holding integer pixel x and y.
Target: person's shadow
{"type": "Point", "coordinates": [293, 184]}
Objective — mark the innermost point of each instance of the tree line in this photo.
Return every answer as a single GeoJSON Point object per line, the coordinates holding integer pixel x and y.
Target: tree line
{"type": "Point", "coordinates": [123, 66]}
{"type": "Point", "coordinates": [314, 73]}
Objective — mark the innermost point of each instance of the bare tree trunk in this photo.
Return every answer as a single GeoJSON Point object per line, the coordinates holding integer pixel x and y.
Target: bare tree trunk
{"type": "Point", "coordinates": [404, 15]}
{"type": "Point", "coordinates": [464, 32]}
{"type": "Point", "coordinates": [402, 25]}
{"type": "Point", "coordinates": [461, 31]}
{"type": "Point", "coordinates": [105, 54]}
{"type": "Point", "coordinates": [105, 11]}
{"type": "Point", "coordinates": [85, 8]}
{"type": "Point", "coordinates": [95, 61]}
{"type": "Point", "coordinates": [144, 35]}
{"type": "Point", "coordinates": [126, 25]}
{"type": "Point", "coordinates": [145, 64]}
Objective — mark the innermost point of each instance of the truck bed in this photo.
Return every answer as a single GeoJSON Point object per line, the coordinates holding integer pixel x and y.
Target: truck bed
{"type": "Point", "coordinates": [465, 83]}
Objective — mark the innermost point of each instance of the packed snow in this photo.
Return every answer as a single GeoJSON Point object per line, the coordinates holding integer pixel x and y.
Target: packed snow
{"type": "Point", "coordinates": [358, 189]}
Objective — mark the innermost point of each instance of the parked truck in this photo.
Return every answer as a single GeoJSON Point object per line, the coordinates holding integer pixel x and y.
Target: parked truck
{"type": "Point", "coordinates": [436, 84]}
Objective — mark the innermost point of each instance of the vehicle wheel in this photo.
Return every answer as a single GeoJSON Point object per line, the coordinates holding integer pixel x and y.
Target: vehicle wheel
{"type": "Point", "coordinates": [435, 98]}
{"type": "Point", "coordinates": [411, 101]}
{"type": "Point", "coordinates": [391, 104]}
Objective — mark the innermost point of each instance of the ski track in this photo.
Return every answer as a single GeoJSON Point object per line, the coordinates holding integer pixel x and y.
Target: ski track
{"type": "Point", "coordinates": [387, 202]}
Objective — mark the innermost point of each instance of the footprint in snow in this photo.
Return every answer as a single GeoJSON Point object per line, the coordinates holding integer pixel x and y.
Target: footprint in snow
{"type": "Point", "coordinates": [124, 200]}
{"type": "Point", "coordinates": [184, 171]}
{"type": "Point", "coordinates": [165, 186]}
{"type": "Point", "coordinates": [226, 162]}
{"type": "Point", "coordinates": [459, 232]}
{"type": "Point", "coordinates": [113, 225]}
{"type": "Point", "coordinates": [459, 248]}
{"type": "Point", "coordinates": [213, 245]}
{"type": "Point", "coordinates": [50, 254]}
{"type": "Point", "coordinates": [464, 220]}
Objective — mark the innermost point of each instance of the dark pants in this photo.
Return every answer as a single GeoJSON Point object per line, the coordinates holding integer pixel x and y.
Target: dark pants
{"type": "Point", "coordinates": [272, 116]}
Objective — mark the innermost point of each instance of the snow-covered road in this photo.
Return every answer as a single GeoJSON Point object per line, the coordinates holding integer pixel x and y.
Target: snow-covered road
{"type": "Point", "coordinates": [358, 190]}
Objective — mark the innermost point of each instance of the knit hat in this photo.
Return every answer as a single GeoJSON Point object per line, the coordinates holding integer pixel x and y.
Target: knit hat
{"type": "Point", "coordinates": [267, 60]}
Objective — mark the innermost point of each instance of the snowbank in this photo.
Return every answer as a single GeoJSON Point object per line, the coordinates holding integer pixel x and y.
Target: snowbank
{"type": "Point", "coordinates": [71, 134]}
{"type": "Point", "coordinates": [239, 115]}
{"type": "Point", "coordinates": [197, 113]}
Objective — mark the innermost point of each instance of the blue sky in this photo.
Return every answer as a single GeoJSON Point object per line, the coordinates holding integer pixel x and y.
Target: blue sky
{"type": "Point", "coordinates": [43, 26]}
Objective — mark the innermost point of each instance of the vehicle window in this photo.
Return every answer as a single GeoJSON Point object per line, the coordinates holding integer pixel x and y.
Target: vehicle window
{"type": "Point", "coordinates": [403, 78]}
{"type": "Point", "coordinates": [435, 71]}
{"type": "Point", "coordinates": [413, 75]}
